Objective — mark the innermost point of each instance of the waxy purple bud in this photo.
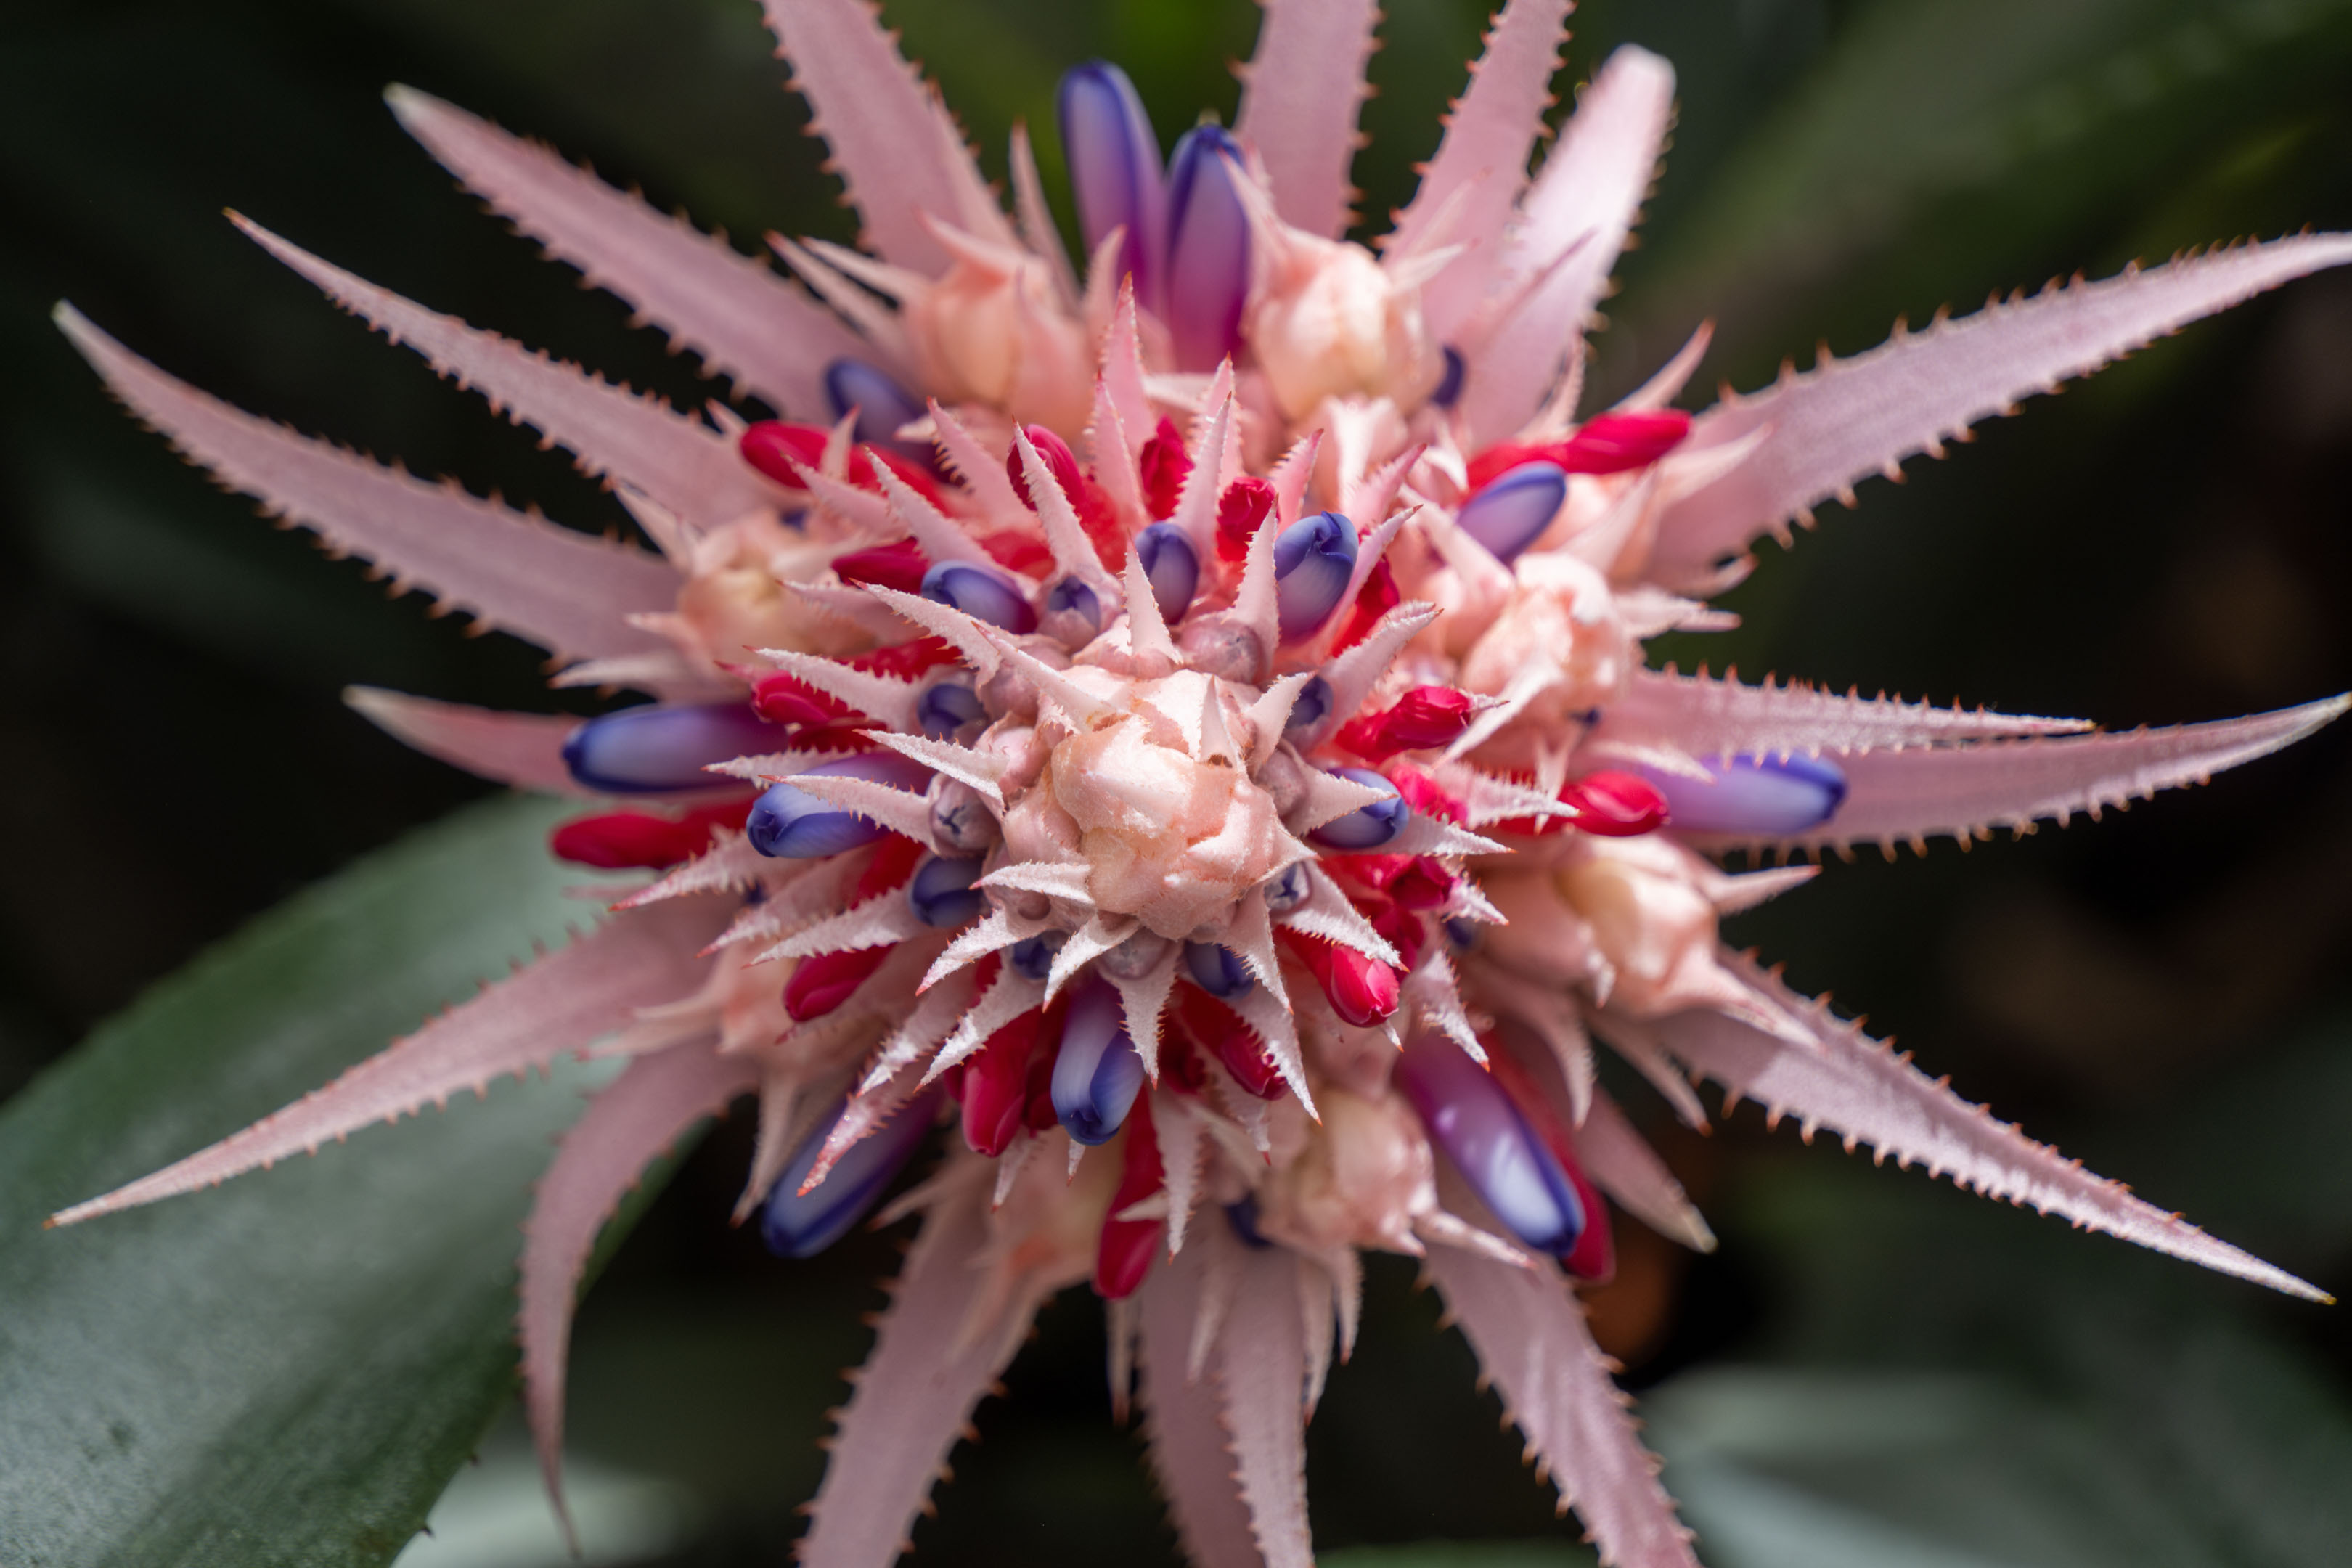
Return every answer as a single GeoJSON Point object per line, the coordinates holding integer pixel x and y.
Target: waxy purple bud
{"type": "Point", "coordinates": [1313, 701]}
{"type": "Point", "coordinates": [792, 824]}
{"type": "Point", "coordinates": [664, 746]}
{"type": "Point", "coordinates": [1313, 559]}
{"type": "Point", "coordinates": [1472, 1119]}
{"type": "Point", "coordinates": [1075, 597]}
{"type": "Point", "coordinates": [1759, 798]}
{"type": "Point", "coordinates": [1287, 890]}
{"type": "Point", "coordinates": [1033, 957]}
{"type": "Point", "coordinates": [883, 406]}
{"type": "Point", "coordinates": [1449, 385]}
{"type": "Point", "coordinates": [1367, 827]}
{"type": "Point", "coordinates": [942, 893]}
{"type": "Point", "coordinates": [1241, 1215]}
{"type": "Point", "coordinates": [1096, 1074]}
{"type": "Point", "coordinates": [948, 707]}
{"type": "Point", "coordinates": [798, 1224]}
{"type": "Point", "coordinates": [1511, 513]}
{"type": "Point", "coordinates": [1217, 970]}
{"type": "Point", "coordinates": [1114, 161]}
{"type": "Point", "coordinates": [1172, 567]}
{"type": "Point", "coordinates": [983, 593]}
{"type": "Point", "coordinates": [1207, 276]}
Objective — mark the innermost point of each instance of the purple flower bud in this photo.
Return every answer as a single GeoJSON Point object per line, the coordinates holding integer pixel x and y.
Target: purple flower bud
{"type": "Point", "coordinates": [1033, 957]}
{"type": "Point", "coordinates": [798, 1225]}
{"type": "Point", "coordinates": [1287, 890]}
{"type": "Point", "coordinates": [1207, 276]}
{"type": "Point", "coordinates": [1096, 1074]}
{"type": "Point", "coordinates": [793, 825]}
{"type": "Point", "coordinates": [1313, 559]}
{"type": "Point", "coordinates": [942, 893]}
{"type": "Point", "coordinates": [1241, 1215]}
{"type": "Point", "coordinates": [1472, 1119]}
{"type": "Point", "coordinates": [1307, 711]}
{"type": "Point", "coordinates": [1462, 933]}
{"type": "Point", "coordinates": [1449, 385]}
{"type": "Point", "coordinates": [1217, 970]}
{"type": "Point", "coordinates": [1171, 568]}
{"type": "Point", "coordinates": [1369, 827]}
{"type": "Point", "coordinates": [1075, 597]}
{"type": "Point", "coordinates": [1114, 160]}
{"type": "Point", "coordinates": [1753, 796]}
{"type": "Point", "coordinates": [980, 592]}
{"type": "Point", "coordinates": [664, 746]}
{"type": "Point", "coordinates": [948, 707]}
{"type": "Point", "coordinates": [883, 405]}
{"type": "Point", "coordinates": [1509, 515]}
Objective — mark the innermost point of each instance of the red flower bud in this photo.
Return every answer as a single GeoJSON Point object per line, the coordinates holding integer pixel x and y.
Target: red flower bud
{"type": "Point", "coordinates": [1607, 444]}
{"type": "Point", "coordinates": [1243, 508]}
{"type": "Point", "coordinates": [1124, 1254]}
{"type": "Point", "coordinates": [1424, 718]}
{"type": "Point", "coordinates": [634, 840]}
{"type": "Point", "coordinates": [782, 699]}
{"type": "Point", "coordinates": [824, 981]}
{"type": "Point", "coordinates": [1164, 465]}
{"type": "Point", "coordinates": [1376, 598]}
{"type": "Point", "coordinates": [1220, 1032]}
{"type": "Point", "coordinates": [905, 660]}
{"type": "Point", "coordinates": [1057, 456]}
{"type": "Point", "coordinates": [1363, 991]}
{"type": "Point", "coordinates": [996, 1085]}
{"type": "Point", "coordinates": [899, 566]}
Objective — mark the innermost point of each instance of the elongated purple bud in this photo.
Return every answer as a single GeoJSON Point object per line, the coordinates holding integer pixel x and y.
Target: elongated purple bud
{"type": "Point", "coordinates": [982, 593]}
{"type": "Point", "coordinates": [1367, 827]}
{"type": "Point", "coordinates": [664, 746]}
{"type": "Point", "coordinates": [798, 1224]}
{"type": "Point", "coordinates": [1171, 566]}
{"type": "Point", "coordinates": [1449, 385]}
{"type": "Point", "coordinates": [883, 405]}
{"type": "Point", "coordinates": [1313, 559]}
{"type": "Point", "coordinates": [944, 709]}
{"type": "Point", "coordinates": [1114, 160]}
{"type": "Point", "coordinates": [942, 893]}
{"type": "Point", "coordinates": [1033, 957]}
{"type": "Point", "coordinates": [1217, 970]}
{"type": "Point", "coordinates": [1472, 1119]}
{"type": "Point", "coordinates": [1096, 1074]}
{"type": "Point", "coordinates": [793, 825]}
{"type": "Point", "coordinates": [1766, 797]}
{"type": "Point", "coordinates": [1510, 514]}
{"type": "Point", "coordinates": [1207, 276]}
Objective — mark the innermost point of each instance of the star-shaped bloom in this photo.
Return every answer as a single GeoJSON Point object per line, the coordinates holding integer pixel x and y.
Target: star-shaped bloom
{"type": "Point", "coordinates": [1178, 718]}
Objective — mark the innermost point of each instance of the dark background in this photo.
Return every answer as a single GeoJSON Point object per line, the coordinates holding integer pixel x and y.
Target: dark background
{"type": "Point", "coordinates": [2164, 993]}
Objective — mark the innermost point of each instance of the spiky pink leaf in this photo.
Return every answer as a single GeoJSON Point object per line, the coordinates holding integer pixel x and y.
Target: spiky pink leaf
{"type": "Point", "coordinates": [1481, 165]}
{"type": "Point", "coordinates": [684, 465]}
{"type": "Point", "coordinates": [893, 144]}
{"type": "Point", "coordinates": [1831, 428]}
{"type": "Point", "coordinates": [1191, 1449]}
{"type": "Point", "coordinates": [564, 590]}
{"type": "Point", "coordinates": [525, 750]}
{"type": "Point", "coordinates": [744, 321]}
{"type": "Point", "coordinates": [1709, 718]}
{"type": "Point", "coordinates": [1623, 1164]}
{"type": "Point", "coordinates": [1862, 1090]}
{"type": "Point", "coordinates": [628, 1127]}
{"type": "Point", "coordinates": [929, 1368]}
{"type": "Point", "coordinates": [1573, 225]}
{"type": "Point", "coordinates": [1528, 1329]}
{"type": "Point", "coordinates": [1300, 95]}
{"type": "Point", "coordinates": [1962, 790]}
{"type": "Point", "coordinates": [562, 1002]}
{"type": "Point", "coordinates": [1262, 1377]}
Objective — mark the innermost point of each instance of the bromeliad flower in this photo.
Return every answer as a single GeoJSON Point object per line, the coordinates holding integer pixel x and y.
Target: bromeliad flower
{"type": "Point", "coordinates": [1182, 721]}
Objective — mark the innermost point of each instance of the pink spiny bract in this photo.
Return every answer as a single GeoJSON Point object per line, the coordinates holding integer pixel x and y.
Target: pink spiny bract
{"type": "Point", "coordinates": [1228, 791]}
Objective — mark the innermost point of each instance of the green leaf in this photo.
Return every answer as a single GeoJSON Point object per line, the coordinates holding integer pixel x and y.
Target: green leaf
{"type": "Point", "coordinates": [288, 1369]}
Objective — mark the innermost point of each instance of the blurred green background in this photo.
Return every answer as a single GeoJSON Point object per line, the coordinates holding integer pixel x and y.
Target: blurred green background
{"type": "Point", "coordinates": [1873, 1370]}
